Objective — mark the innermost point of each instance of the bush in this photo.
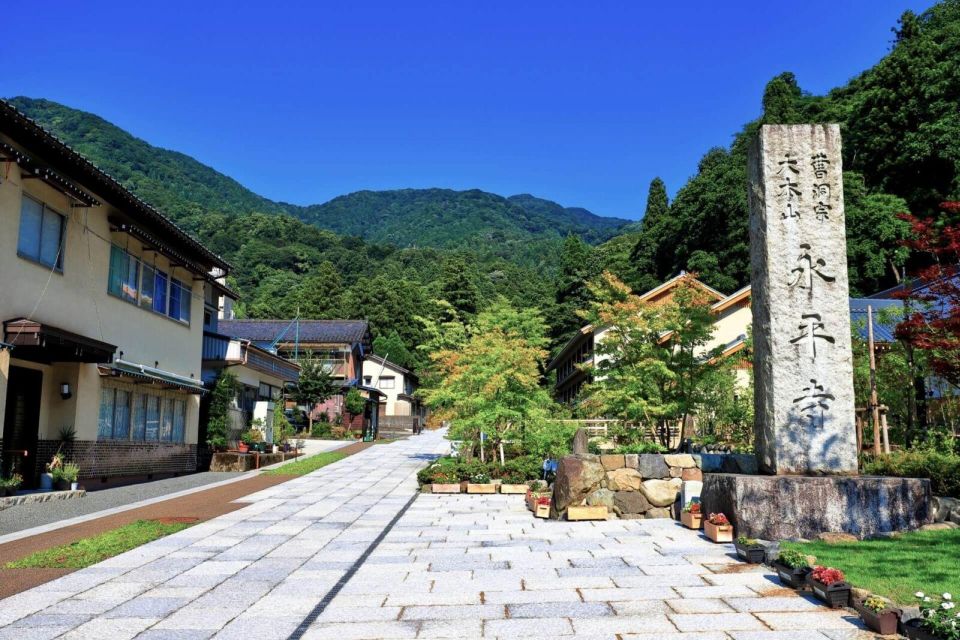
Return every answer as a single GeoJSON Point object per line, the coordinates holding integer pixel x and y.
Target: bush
{"type": "Point", "coordinates": [321, 429]}
{"type": "Point", "coordinates": [467, 471]}
{"type": "Point", "coordinates": [641, 447]}
{"type": "Point", "coordinates": [943, 469]}
{"type": "Point", "coordinates": [521, 470]}
{"type": "Point", "coordinates": [443, 471]}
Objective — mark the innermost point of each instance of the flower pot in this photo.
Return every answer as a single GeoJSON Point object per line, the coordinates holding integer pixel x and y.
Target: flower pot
{"type": "Point", "coordinates": [884, 622]}
{"type": "Point", "coordinates": [513, 489]}
{"type": "Point", "coordinates": [753, 555]}
{"type": "Point", "coordinates": [243, 448]}
{"type": "Point", "coordinates": [481, 488]}
{"type": "Point", "coordinates": [74, 486]}
{"type": "Point", "coordinates": [440, 487]}
{"type": "Point", "coordinates": [796, 578]}
{"type": "Point", "coordinates": [718, 533]}
{"type": "Point", "coordinates": [836, 595]}
{"type": "Point", "coordinates": [691, 520]}
{"type": "Point", "coordinates": [46, 482]}
{"type": "Point", "coordinates": [914, 631]}
{"type": "Point", "coordinates": [598, 512]}
{"type": "Point", "coordinates": [61, 485]}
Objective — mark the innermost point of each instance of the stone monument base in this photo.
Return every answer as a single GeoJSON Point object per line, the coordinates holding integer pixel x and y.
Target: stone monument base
{"type": "Point", "coordinates": [782, 507]}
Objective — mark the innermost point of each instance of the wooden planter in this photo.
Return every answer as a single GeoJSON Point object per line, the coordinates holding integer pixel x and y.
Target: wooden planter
{"type": "Point", "coordinates": [796, 578]}
{"type": "Point", "coordinates": [444, 488]}
{"type": "Point", "coordinates": [717, 533]}
{"type": "Point", "coordinates": [914, 631]}
{"type": "Point", "coordinates": [753, 555]}
{"type": "Point", "coordinates": [587, 512]}
{"type": "Point", "coordinates": [514, 489]}
{"type": "Point", "coordinates": [836, 595]}
{"type": "Point", "coordinates": [481, 488]}
{"type": "Point", "coordinates": [884, 622]}
{"type": "Point", "coordinates": [691, 520]}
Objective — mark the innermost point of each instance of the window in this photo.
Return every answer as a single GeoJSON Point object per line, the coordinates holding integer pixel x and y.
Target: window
{"type": "Point", "coordinates": [387, 382]}
{"type": "Point", "coordinates": [150, 416]}
{"type": "Point", "coordinates": [147, 286]}
{"type": "Point", "coordinates": [41, 234]}
{"type": "Point", "coordinates": [268, 392]}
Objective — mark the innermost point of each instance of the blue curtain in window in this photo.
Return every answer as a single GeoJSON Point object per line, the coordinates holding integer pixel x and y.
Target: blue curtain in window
{"type": "Point", "coordinates": [139, 417]}
{"type": "Point", "coordinates": [31, 219]}
{"type": "Point", "coordinates": [160, 292]}
{"type": "Point", "coordinates": [166, 421]}
{"type": "Point", "coordinates": [179, 420]}
{"type": "Point", "coordinates": [175, 299]}
{"type": "Point", "coordinates": [105, 425]}
{"type": "Point", "coordinates": [152, 430]}
{"type": "Point", "coordinates": [147, 285]}
{"type": "Point", "coordinates": [51, 235]}
{"type": "Point", "coordinates": [118, 264]}
{"type": "Point", "coordinates": [121, 415]}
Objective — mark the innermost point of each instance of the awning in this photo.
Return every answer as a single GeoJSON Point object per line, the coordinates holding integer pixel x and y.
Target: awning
{"type": "Point", "coordinates": [39, 342]}
{"type": "Point", "coordinates": [371, 391]}
{"type": "Point", "coordinates": [141, 373]}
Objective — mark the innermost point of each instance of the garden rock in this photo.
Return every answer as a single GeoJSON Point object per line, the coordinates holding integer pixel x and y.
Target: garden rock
{"type": "Point", "coordinates": [683, 460]}
{"type": "Point", "coordinates": [624, 480]}
{"type": "Point", "coordinates": [580, 442]}
{"type": "Point", "coordinates": [652, 466]}
{"type": "Point", "coordinates": [661, 493]}
{"type": "Point", "coordinates": [691, 474]}
{"type": "Point", "coordinates": [601, 498]}
{"type": "Point", "coordinates": [612, 461]}
{"type": "Point", "coordinates": [657, 512]}
{"type": "Point", "coordinates": [955, 516]}
{"type": "Point", "coordinates": [940, 526]}
{"type": "Point", "coordinates": [630, 461]}
{"type": "Point", "coordinates": [710, 462]}
{"type": "Point", "coordinates": [676, 472]}
{"type": "Point", "coordinates": [630, 502]}
{"type": "Point", "coordinates": [941, 507]}
{"type": "Point", "coordinates": [577, 477]}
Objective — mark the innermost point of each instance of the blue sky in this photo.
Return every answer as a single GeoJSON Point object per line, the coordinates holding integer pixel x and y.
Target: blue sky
{"type": "Point", "coordinates": [579, 102]}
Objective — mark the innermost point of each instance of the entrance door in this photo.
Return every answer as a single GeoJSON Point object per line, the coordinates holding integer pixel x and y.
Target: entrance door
{"type": "Point", "coordinates": [22, 422]}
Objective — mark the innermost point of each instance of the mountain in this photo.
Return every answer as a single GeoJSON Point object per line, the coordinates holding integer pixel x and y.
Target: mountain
{"type": "Point", "coordinates": [522, 228]}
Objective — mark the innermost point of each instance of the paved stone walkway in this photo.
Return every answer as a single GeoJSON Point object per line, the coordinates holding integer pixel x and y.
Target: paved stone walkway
{"type": "Point", "coordinates": [450, 567]}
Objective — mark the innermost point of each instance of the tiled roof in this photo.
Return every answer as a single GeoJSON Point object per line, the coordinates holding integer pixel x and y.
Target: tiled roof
{"type": "Point", "coordinates": [310, 331]}
{"type": "Point", "coordinates": [884, 324]}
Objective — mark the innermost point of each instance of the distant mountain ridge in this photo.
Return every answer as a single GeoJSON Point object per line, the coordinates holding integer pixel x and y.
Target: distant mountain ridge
{"type": "Point", "coordinates": [518, 227]}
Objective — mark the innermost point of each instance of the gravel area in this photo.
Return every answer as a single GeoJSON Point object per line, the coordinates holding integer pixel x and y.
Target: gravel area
{"type": "Point", "coordinates": [29, 515]}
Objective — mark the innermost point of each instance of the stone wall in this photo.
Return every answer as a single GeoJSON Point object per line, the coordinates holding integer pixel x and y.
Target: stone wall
{"type": "Point", "coordinates": [638, 485]}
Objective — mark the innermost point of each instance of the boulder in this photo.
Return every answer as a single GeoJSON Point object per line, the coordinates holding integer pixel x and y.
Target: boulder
{"type": "Point", "coordinates": [577, 477]}
{"type": "Point", "coordinates": [682, 460]}
{"type": "Point", "coordinates": [746, 463]}
{"type": "Point", "coordinates": [691, 474]}
{"type": "Point", "coordinates": [942, 506]}
{"type": "Point", "coordinates": [580, 442]}
{"type": "Point", "coordinates": [630, 502]}
{"type": "Point", "coordinates": [939, 526]}
{"type": "Point", "coordinates": [624, 480]}
{"type": "Point", "coordinates": [710, 462]}
{"type": "Point", "coordinates": [675, 472]}
{"type": "Point", "coordinates": [630, 461]}
{"type": "Point", "coordinates": [601, 497]}
{"type": "Point", "coordinates": [955, 516]}
{"type": "Point", "coordinates": [612, 461]}
{"type": "Point", "coordinates": [657, 512]}
{"type": "Point", "coordinates": [836, 537]}
{"type": "Point", "coordinates": [661, 493]}
{"type": "Point", "coordinates": [652, 466]}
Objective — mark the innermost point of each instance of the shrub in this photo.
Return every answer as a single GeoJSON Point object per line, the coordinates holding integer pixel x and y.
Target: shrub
{"type": "Point", "coordinates": [744, 541]}
{"type": "Point", "coordinates": [793, 559]}
{"type": "Point", "coordinates": [641, 447]}
{"type": "Point", "coordinates": [943, 469]}
{"type": "Point", "coordinates": [71, 472]}
{"type": "Point", "coordinates": [520, 470]}
{"type": "Point", "coordinates": [937, 616]}
{"type": "Point", "coordinates": [321, 428]}
{"type": "Point", "coordinates": [827, 575]}
{"type": "Point", "coordinates": [467, 471]}
{"type": "Point", "coordinates": [443, 471]}
{"type": "Point", "coordinates": [354, 402]}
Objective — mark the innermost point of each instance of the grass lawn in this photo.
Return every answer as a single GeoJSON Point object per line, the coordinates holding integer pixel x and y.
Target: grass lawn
{"type": "Point", "coordinates": [88, 551]}
{"type": "Point", "coordinates": [895, 567]}
{"type": "Point", "coordinates": [306, 465]}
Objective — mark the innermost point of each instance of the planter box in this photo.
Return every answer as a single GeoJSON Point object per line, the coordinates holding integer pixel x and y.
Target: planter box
{"type": "Point", "coordinates": [541, 511]}
{"type": "Point", "coordinates": [718, 533]}
{"type": "Point", "coordinates": [796, 578]}
{"type": "Point", "coordinates": [587, 513]}
{"type": "Point", "coordinates": [691, 520]}
{"type": "Point", "coordinates": [514, 489]}
{"type": "Point", "coordinates": [445, 488]}
{"type": "Point", "coordinates": [915, 632]}
{"type": "Point", "coordinates": [753, 555]}
{"type": "Point", "coordinates": [481, 488]}
{"type": "Point", "coordinates": [835, 595]}
{"type": "Point", "coordinates": [884, 623]}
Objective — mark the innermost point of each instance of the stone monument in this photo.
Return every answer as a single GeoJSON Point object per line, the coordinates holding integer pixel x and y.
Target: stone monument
{"type": "Point", "coordinates": [804, 405]}
{"type": "Point", "coordinates": [805, 434]}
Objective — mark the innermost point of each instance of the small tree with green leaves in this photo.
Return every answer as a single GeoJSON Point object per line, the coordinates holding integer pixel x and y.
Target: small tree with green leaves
{"type": "Point", "coordinates": [314, 386]}
{"type": "Point", "coordinates": [224, 392]}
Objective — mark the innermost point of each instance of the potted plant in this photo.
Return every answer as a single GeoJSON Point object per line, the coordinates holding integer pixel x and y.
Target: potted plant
{"type": "Point", "coordinates": [792, 568]}
{"type": "Point", "coordinates": [71, 475]}
{"type": "Point", "coordinates": [60, 482]}
{"type": "Point", "coordinates": [692, 516]}
{"type": "Point", "coordinates": [718, 528]}
{"type": "Point", "coordinates": [750, 549]}
{"type": "Point", "coordinates": [938, 619]}
{"type": "Point", "coordinates": [480, 483]}
{"type": "Point", "coordinates": [9, 486]}
{"type": "Point", "coordinates": [877, 614]}
{"type": "Point", "coordinates": [830, 585]}
{"type": "Point", "coordinates": [514, 481]}
{"type": "Point", "coordinates": [541, 505]}
{"type": "Point", "coordinates": [442, 476]}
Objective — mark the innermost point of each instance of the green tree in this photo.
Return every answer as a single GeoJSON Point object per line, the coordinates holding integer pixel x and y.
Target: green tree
{"type": "Point", "coordinates": [781, 99]}
{"type": "Point", "coordinates": [491, 384]}
{"type": "Point", "coordinates": [653, 227]}
{"type": "Point", "coordinates": [391, 346]}
{"type": "Point", "coordinates": [457, 286]}
{"type": "Point", "coordinates": [221, 399]}
{"type": "Point", "coordinates": [314, 386]}
{"type": "Point", "coordinates": [578, 265]}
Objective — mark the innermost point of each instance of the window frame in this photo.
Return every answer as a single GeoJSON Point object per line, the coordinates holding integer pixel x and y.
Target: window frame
{"type": "Point", "coordinates": [135, 416]}
{"type": "Point", "coordinates": [162, 298]}
{"type": "Point", "coordinates": [57, 266]}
